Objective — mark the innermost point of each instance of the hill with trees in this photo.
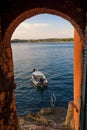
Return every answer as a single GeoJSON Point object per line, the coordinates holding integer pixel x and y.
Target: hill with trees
{"type": "Point", "coordinates": [42, 40]}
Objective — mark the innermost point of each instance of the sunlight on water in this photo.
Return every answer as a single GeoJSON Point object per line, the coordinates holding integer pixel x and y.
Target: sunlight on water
{"type": "Point", "coordinates": [55, 61]}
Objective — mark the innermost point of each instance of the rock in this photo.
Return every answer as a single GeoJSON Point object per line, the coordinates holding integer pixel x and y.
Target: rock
{"type": "Point", "coordinates": [45, 111]}
{"type": "Point", "coordinates": [21, 121]}
{"type": "Point", "coordinates": [39, 128]}
{"type": "Point", "coordinates": [46, 119]}
{"type": "Point", "coordinates": [69, 117]}
{"type": "Point", "coordinates": [32, 117]}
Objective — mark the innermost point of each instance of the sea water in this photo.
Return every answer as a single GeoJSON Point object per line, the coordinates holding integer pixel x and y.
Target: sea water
{"type": "Point", "coordinates": [55, 60]}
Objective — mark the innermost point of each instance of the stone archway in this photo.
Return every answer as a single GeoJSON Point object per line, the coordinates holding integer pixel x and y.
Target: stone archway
{"type": "Point", "coordinates": [33, 12]}
{"type": "Point", "coordinates": [79, 39]}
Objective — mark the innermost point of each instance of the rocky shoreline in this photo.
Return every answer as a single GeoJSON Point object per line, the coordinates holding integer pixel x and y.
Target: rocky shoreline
{"type": "Point", "coordinates": [45, 119]}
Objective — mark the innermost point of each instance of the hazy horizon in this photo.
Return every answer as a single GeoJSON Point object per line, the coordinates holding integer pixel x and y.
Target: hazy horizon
{"type": "Point", "coordinates": [44, 26]}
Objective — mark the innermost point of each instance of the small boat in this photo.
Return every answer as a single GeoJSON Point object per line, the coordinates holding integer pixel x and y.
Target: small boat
{"type": "Point", "coordinates": [39, 79]}
{"type": "Point", "coordinates": [53, 100]}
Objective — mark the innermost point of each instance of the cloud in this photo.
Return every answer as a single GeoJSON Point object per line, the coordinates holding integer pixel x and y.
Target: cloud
{"type": "Point", "coordinates": [26, 26]}
{"type": "Point", "coordinates": [28, 30]}
{"type": "Point", "coordinates": [41, 30]}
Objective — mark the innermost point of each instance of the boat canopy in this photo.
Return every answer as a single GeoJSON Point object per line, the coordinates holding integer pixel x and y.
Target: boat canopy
{"type": "Point", "coordinates": [38, 73]}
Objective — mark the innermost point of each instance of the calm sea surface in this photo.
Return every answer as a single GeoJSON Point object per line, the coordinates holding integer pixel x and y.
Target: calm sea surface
{"type": "Point", "coordinates": [55, 60]}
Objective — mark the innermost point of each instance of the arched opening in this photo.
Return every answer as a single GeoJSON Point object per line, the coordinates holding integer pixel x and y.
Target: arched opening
{"type": "Point", "coordinates": [28, 14]}
{"type": "Point", "coordinates": [54, 59]}
{"type": "Point", "coordinates": [35, 11]}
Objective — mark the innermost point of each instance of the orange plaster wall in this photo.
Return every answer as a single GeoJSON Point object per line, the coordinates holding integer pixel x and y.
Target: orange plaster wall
{"type": "Point", "coordinates": [78, 46]}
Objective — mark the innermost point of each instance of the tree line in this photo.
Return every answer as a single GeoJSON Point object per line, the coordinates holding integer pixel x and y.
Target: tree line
{"type": "Point", "coordinates": [43, 40]}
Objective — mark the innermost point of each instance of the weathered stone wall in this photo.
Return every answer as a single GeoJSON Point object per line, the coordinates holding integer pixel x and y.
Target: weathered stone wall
{"type": "Point", "coordinates": [11, 16]}
{"type": "Point", "coordinates": [73, 9]}
{"type": "Point", "coordinates": [86, 30]}
{"type": "Point", "coordinates": [8, 114]}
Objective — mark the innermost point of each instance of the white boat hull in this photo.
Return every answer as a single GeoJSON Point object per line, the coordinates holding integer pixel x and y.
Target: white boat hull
{"type": "Point", "coordinates": [36, 79]}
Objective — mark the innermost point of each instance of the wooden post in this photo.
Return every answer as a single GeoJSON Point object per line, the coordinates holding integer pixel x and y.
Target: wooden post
{"type": "Point", "coordinates": [78, 47]}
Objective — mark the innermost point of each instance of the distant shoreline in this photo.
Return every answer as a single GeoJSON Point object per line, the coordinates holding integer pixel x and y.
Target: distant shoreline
{"type": "Point", "coordinates": [42, 40]}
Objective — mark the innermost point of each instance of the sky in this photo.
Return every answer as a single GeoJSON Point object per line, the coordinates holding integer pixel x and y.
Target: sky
{"type": "Point", "coordinates": [44, 26]}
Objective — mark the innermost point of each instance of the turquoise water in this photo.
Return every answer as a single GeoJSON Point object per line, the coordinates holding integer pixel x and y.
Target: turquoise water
{"type": "Point", "coordinates": [55, 60]}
